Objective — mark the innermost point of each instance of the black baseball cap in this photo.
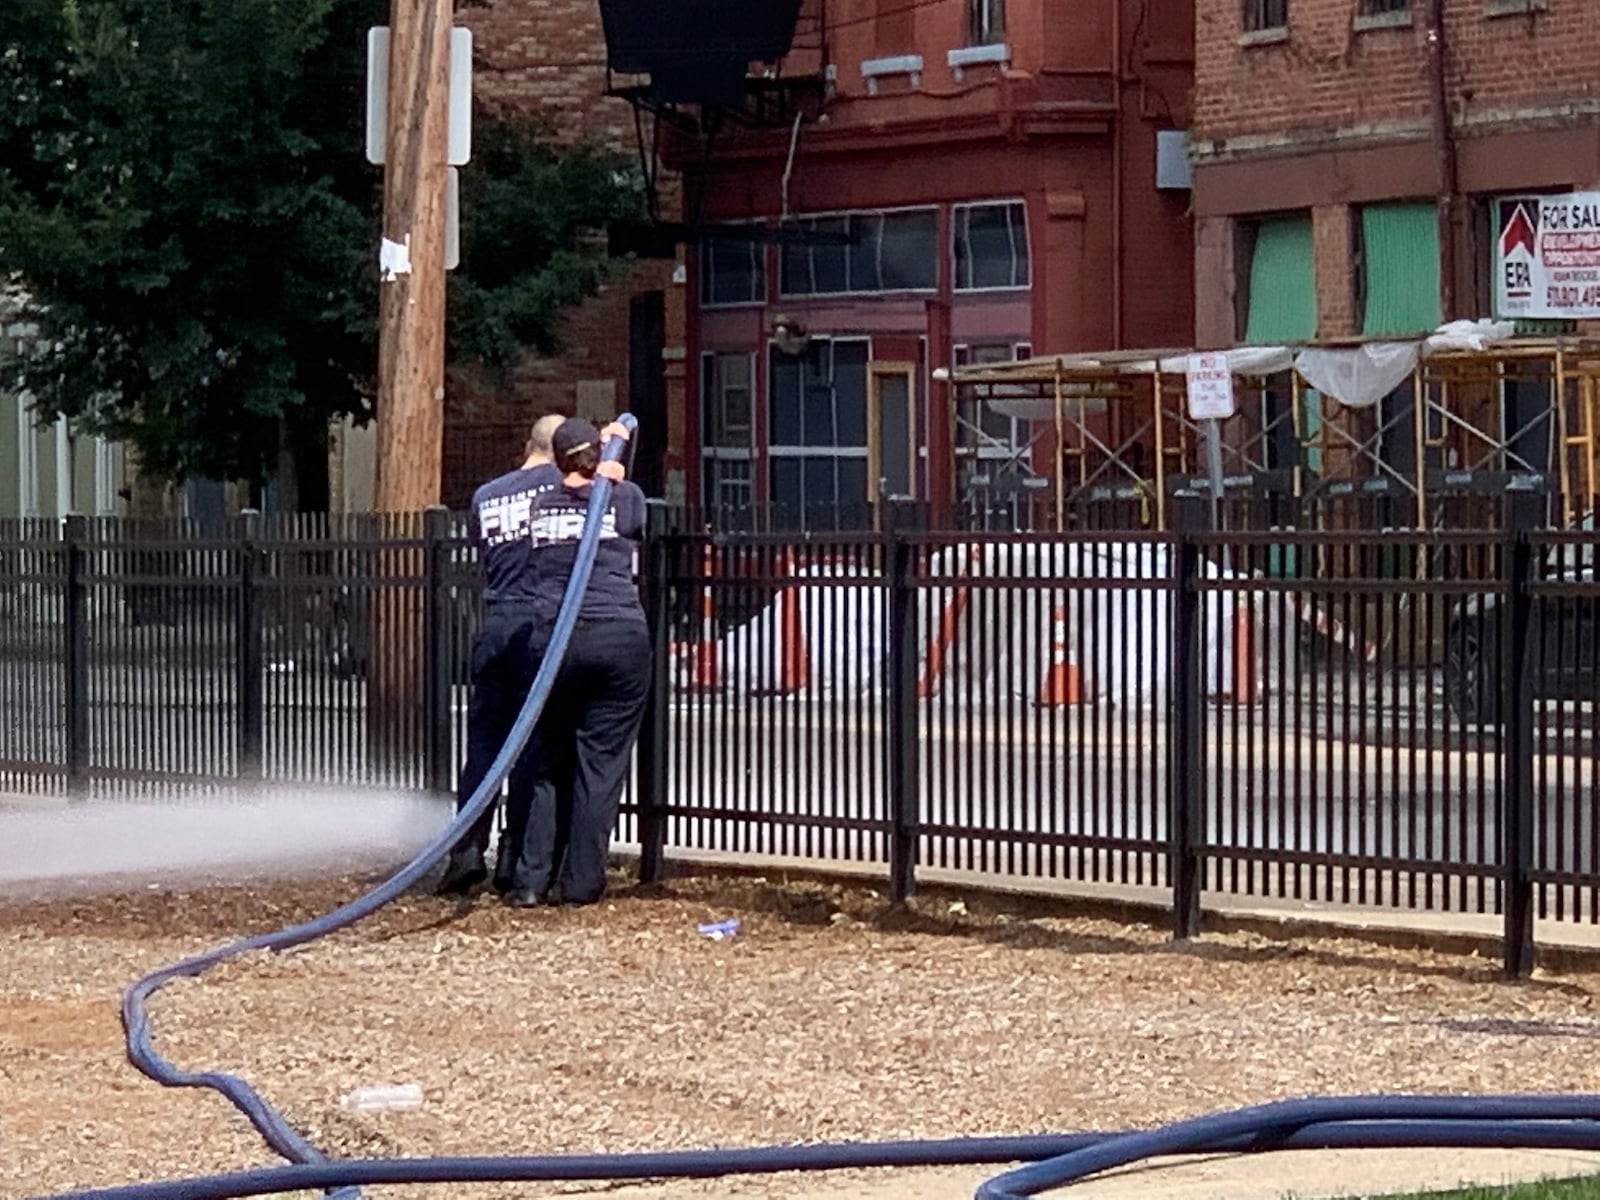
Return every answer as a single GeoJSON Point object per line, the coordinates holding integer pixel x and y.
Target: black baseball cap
{"type": "Point", "coordinates": [573, 434]}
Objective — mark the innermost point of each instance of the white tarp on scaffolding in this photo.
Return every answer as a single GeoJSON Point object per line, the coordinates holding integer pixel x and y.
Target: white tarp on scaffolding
{"type": "Point", "coordinates": [1358, 376]}
{"type": "Point", "coordinates": [987, 644]}
{"type": "Point", "coordinates": [1242, 360]}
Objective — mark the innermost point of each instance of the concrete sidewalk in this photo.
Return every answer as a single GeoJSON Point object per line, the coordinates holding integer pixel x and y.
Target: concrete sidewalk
{"type": "Point", "coordinates": [1304, 1175]}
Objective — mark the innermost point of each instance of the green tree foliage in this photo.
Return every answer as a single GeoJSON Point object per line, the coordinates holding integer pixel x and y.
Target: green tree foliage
{"type": "Point", "coordinates": [532, 238]}
{"type": "Point", "coordinates": [184, 201]}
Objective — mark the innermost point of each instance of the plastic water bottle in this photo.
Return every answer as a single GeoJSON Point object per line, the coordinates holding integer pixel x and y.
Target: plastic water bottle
{"type": "Point", "coordinates": [719, 930]}
{"type": "Point", "coordinates": [395, 1098]}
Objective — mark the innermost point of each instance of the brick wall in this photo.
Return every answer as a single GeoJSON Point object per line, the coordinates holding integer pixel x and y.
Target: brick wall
{"type": "Point", "coordinates": [1330, 75]}
{"type": "Point", "coordinates": [548, 57]}
{"type": "Point", "coordinates": [1333, 246]}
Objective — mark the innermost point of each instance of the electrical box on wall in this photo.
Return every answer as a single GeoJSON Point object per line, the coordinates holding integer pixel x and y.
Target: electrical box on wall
{"type": "Point", "coordinates": [1173, 172]}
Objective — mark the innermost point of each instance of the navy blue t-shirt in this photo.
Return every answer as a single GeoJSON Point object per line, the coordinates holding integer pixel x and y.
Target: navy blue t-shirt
{"type": "Point", "coordinates": [555, 528]}
{"type": "Point", "coordinates": [501, 511]}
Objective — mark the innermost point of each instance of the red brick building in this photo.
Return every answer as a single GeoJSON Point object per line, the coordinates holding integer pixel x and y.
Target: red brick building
{"type": "Point", "coordinates": [1318, 144]}
{"type": "Point", "coordinates": [1356, 167]}
{"type": "Point", "coordinates": [988, 169]}
{"type": "Point", "coordinates": [623, 349]}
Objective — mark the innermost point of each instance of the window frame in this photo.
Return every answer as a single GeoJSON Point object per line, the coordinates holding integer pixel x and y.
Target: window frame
{"type": "Point", "coordinates": [986, 22]}
{"type": "Point", "coordinates": [713, 394]}
{"type": "Point", "coordinates": [848, 215]}
{"type": "Point", "coordinates": [781, 451]}
{"type": "Point", "coordinates": [1026, 258]}
{"type": "Point", "coordinates": [758, 256]}
{"type": "Point", "coordinates": [1264, 16]}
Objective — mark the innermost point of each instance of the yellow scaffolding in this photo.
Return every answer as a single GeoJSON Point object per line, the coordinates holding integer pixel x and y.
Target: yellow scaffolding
{"type": "Point", "coordinates": [1119, 429]}
{"type": "Point", "coordinates": [1469, 424]}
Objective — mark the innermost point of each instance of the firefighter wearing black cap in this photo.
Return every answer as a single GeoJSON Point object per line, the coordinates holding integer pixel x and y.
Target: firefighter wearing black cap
{"type": "Point", "coordinates": [583, 745]}
{"type": "Point", "coordinates": [502, 669]}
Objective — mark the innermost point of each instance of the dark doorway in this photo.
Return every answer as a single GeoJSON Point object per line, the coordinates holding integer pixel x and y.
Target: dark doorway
{"type": "Point", "coordinates": [647, 387]}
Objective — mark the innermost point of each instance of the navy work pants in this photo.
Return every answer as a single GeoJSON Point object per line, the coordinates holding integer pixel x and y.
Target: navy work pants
{"type": "Point", "coordinates": [503, 667]}
{"type": "Point", "coordinates": [582, 753]}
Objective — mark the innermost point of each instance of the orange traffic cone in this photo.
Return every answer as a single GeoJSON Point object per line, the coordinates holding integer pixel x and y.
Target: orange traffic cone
{"type": "Point", "coordinates": [949, 625]}
{"type": "Point", "coordinates": [704, 673]}
{"type": "Point", "coordinates": [1244, 653]}
{"type": "Point", "coordinates": [1061, 684]}
{"type": "Point", "coordinates": [794, 664]}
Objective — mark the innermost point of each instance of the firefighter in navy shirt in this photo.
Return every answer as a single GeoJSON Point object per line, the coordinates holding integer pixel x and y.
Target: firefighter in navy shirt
{"type": "Point", "coordinates": [502, 669]}
{"type": "Point", "coordinates": [583, 748]}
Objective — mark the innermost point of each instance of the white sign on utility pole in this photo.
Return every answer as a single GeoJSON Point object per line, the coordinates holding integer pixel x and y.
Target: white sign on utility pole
{"type": "Point", "coordinates": [460, 112]}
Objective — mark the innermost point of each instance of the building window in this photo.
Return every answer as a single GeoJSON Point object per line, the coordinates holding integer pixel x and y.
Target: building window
{"type": "Point", "coordinates": [1280, 285]}
{"type": "Point", "coordinates": [991, 246]}
{"type": "Point", "coordinates": [1265, 14]}
{"type": "Point", "coordinates": [1400, 269]}
{"type": "Point", "coordinates": [986, 22]}
{"type": "Point", "coordinates": [817, 433]}
{"type": "Point", "coordinates": [727, 401]}
{"type": "Point", "coordinates": [1382, 8]}
{"type": "Point", "coordinates": [887, 252]}
{"type": "Point", "coordinates": [727, 428]}
{"type": "Point", "coordinates": [732, 273]}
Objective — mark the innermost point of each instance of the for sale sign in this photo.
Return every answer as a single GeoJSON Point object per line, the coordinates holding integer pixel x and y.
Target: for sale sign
{"type": "Point", "coordinates": [1547, 256]}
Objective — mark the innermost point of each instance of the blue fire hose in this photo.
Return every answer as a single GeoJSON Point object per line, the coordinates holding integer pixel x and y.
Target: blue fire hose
{"type": "Point", "coordinates": [277, 1131]}
{"type": "Point", "coordinates": [1554, 1122]}
{"type": "Point", "coordinates": [1278, 1131]}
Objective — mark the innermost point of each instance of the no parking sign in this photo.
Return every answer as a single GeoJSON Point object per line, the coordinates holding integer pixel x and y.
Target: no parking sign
{"type": "Point", "coordinates": [1210, 387]}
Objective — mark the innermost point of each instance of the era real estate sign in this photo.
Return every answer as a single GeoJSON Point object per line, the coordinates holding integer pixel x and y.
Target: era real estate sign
{"type": "Point", "coordinates": [1547, 256]}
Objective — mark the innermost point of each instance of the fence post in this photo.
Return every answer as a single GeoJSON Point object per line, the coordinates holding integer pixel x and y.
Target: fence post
{"type": "Point", "coordinates": [437, 664]}
{"type": "Point", "coordinates": [653, 734]}
{"type": "Point", "coordinates": [905, 784]}
{"type": "Point", "coordinates": [250, 675]}
{"type": "Point", "coordinates": [1516, 702]}
{"type": "Point", "coordinates": [74, 532]}
{"type": "Point", "coordinates": [1186, 784]}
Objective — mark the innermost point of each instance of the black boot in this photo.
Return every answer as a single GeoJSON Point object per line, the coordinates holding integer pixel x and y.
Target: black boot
{"type": "Point", "coordinates": [504, 873]}
{"type": "Point", "coordinates": [463, 871]}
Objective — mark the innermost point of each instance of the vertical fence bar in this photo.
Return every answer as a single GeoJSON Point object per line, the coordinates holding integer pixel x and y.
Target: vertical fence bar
{"type": "Point", "coordinates": [1516, 787]}
{"type": "Point", "coordinates": [436, 658]}
{"type": "Point", "coordinates": [653, 739]}
{"type": "Point", "coordinates": [904, 782]}
{"type": "Point", "coordinates": [252, 710]}
{"type": "Point", "coordinates": [1186, 782]}
{"type": "Point", "coordinates": [74, 531]}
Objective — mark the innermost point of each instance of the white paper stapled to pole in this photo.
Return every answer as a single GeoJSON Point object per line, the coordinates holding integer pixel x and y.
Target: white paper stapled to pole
{"type": "Point", "coordinates": [394, 259]}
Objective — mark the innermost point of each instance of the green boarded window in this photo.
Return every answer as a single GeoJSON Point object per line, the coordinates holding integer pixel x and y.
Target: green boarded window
{"type": "Point", "coordinates": [1400, 243]}
{"type": "Point", "coordinates": [1283, 283]}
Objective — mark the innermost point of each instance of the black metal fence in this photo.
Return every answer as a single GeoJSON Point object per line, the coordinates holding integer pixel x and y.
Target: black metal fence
{"type": "Point", "coordinates": [1402, 719]}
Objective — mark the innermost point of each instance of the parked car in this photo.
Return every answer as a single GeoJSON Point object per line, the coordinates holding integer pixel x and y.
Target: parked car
{"type": "Point", "coordinates": [1563, 644]}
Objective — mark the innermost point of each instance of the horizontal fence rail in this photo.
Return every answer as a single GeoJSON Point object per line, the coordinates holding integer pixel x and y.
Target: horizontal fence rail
{"type": "Point", "coordinates": [1405, 719]}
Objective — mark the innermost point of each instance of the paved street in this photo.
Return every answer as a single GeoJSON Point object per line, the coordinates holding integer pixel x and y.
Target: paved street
{"type": "Point", "coordinates": [1342, 776]}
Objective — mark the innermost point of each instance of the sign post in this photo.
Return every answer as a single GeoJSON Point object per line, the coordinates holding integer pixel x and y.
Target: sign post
{"type": "Point", "coordinates": [1210, 395]}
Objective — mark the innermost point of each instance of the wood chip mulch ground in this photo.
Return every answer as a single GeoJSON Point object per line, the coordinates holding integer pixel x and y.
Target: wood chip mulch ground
{"type": "Point", "coordinates": [828, 1016]}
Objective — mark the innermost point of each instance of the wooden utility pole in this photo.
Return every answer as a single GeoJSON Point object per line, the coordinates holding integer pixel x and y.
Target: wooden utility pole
{"type": "Point", "coordinates": [410, 416]}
